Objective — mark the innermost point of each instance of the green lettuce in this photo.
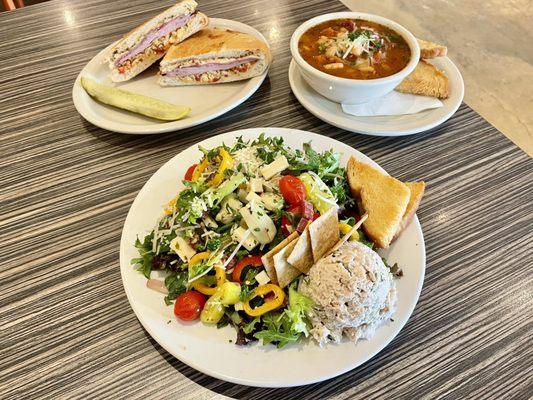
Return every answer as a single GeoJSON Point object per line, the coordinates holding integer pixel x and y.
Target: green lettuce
{"type": "Point", "coordinates": [290, 325]}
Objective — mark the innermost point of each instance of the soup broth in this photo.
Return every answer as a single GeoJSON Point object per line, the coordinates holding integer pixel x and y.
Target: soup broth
{"type": "Point", "coordinates": [354, 49]}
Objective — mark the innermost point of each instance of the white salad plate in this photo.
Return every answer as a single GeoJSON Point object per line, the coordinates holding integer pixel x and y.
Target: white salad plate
{"type": "Point", "coordinates": [213, 351]}
{"type": "Point", "coordinates": [393, 125]}
{"type": "Point", "coordinates": [206, 101]}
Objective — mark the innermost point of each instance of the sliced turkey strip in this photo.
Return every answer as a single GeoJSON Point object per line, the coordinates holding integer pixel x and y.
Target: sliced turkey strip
{"type": "Point", "coordinates": [207, 67]}
{"type": "Point", "coordinates": [154, 34]}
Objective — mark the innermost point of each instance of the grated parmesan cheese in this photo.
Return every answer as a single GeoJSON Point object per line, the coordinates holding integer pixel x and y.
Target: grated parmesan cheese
{"type": "Point", "coordinates": [247, 157]}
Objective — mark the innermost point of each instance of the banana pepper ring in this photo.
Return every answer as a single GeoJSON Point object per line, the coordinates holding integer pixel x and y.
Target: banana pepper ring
{"type": "Point", "coordinates": [276, 302]}
{"type": "Point", "coordinates": [200, 284]}
{"type": "Point", "coordinates": [201, 287]}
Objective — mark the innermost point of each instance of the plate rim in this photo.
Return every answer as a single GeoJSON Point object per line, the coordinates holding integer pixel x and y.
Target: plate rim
{"type": "Point", "coordinates": [162, 127]}
{"type": "Point", "coordinates": [125, 265]}
{"type": "Point", "coordinates": [317, 111]}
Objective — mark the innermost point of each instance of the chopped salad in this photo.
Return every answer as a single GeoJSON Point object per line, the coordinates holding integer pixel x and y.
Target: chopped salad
{"type": "Point", "coordinates": [238, 204]}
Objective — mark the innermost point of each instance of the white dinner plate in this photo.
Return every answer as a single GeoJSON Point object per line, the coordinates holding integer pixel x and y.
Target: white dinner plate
{"type": "Point", "coordinates": [393, 125]}
{"type": "Point", "coordinates": [207, 101]}
{"type": "Point", "coordinates": [208, 349]}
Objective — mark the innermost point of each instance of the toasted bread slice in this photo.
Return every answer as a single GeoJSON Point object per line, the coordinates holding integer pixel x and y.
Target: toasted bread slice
{"type": "Point", "coordinates": [425, 80]}
{"type": "Point", "coordinates": [417, 191]}
{"type": "Point", "coordinates": [431, 50]}
{"type": "Point", "coordinates": [382, 197]}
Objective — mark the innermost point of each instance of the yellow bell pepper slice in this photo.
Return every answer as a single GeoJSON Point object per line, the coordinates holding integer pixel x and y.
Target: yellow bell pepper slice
{"type": "Point", "coordinates": [345, 229]}
{"type": "Point", "coordinates": [276, 302]}
{"type": "Point", "coordinates": [201, 287]}
{"type": "Point", "coordinates": [226, 162]}
{"type": "Point", "coordinates": [169, 208]}
{"type": "Point", "coordinates": [199, 169]}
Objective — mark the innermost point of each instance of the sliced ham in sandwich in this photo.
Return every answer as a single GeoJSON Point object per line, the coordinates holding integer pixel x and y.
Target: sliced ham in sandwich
{"type": "Point", "coordinates": [146, 44]}
{"type": "Point", "coordinates": [214, 56]}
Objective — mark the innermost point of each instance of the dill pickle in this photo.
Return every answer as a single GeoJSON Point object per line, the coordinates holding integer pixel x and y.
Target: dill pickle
{"type": "Point", "coordinates": [134, 102]}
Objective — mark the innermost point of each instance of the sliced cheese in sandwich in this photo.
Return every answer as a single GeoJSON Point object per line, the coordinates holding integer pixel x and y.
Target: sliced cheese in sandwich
{"type": "Point", "coordinates": [146, 44]}
{"type": "Point", "coordinates": [214, 56]}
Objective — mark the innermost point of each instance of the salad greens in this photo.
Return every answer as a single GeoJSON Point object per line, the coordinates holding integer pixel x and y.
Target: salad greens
{"type": "Point", "coordinates": [232, 210]}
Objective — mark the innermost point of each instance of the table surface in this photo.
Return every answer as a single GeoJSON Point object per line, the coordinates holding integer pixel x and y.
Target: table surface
{"type": "Point", "coordinates": [66, 329]}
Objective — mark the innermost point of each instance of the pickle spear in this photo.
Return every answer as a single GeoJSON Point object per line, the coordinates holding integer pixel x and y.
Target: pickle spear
{"type": "Point", "coordinates": [134, 102]}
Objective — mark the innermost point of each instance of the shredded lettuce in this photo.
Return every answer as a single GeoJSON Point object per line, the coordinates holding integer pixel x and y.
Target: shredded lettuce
{"type": "Point", "coordinates": [290, 325]}
{"type": "Point", "coordinates": [299, 307]}
{"type": "Point", "coordinates": [176, 284]}
{"type": "Point", "coordinates": [144, 262]}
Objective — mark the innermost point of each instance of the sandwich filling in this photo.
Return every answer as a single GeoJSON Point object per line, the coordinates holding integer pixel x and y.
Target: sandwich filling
{"type": "Point", "coordinates": [210, 66]}
{"type": "Point", "coordinates": [155, 34]}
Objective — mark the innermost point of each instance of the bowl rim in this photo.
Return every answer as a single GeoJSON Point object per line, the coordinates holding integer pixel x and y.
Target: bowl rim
{"type": "Point", "coordinates": [399, 29]}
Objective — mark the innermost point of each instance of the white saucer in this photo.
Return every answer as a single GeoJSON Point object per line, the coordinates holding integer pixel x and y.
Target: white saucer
{"type": "Point", "coordinates": [206, 101]}
{"type": "Point", "coordinates": [332, 113]}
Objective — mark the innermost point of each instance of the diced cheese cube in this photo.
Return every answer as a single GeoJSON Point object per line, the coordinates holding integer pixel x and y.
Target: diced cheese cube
{"type": "Point", "coordinates": [271, 201]}
{"type": "Point", "coordinates": [251, 196]}
{"type": "Point", "coordinates": [241, 194]}
{"type": "Point", "coordinates": [238, 234]}
{"type": "Point", "coordinates": [262, 278]}
{"type": "Point", "coordinates": [275, 167]}
{"type": "Point", "coordinates": [259, 222]}
{"type": "Point", "coordinates": [182, 248]}
{"type": "Point", "coordinates": [256, 185]}
{"type": "Point", "coordinates": [239, 306]}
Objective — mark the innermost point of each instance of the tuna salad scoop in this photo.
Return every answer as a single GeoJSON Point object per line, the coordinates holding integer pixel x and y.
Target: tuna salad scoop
{"type": "Point", "coordinates": [354, 293]}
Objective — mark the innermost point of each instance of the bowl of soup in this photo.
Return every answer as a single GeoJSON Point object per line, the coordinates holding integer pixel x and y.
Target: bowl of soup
{"type": "Point", "coordinates": [353, 58]}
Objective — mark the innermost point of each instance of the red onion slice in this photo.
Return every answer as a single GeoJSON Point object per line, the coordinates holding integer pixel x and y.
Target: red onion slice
{"type": "Point", "coordinates": [157, 285]}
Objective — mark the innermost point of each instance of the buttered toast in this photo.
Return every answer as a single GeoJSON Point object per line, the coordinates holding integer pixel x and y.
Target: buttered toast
{"type": "Point", "coordinates": [389, 203]}
{"type": "Point", "coordinates": [425, 80]}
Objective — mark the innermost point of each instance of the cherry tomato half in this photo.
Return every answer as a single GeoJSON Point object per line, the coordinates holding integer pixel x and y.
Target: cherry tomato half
{"type": "Point", "coordinates": [248, 261]}
{"type": "Point", "coordinates": [189, 305]}
{"type": "Point", "coordinates": [292, 189]}
{"type": "Point", "coordinates": [190, 171]}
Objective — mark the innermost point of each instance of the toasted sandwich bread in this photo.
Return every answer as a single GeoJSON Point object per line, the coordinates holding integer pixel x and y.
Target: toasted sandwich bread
{"type": "Point", "coordinates": [144, 45]}
{"type": "Point", "coordinates": [417, 191]}
{"type": "Point", "coordinates": [214, 55]}
{"type": "Point", "coordinates": [425, 80]}
{"type": "Point", "coordinates": [382, 197]}
{"type": "Point", "coordinates": [431, 50]}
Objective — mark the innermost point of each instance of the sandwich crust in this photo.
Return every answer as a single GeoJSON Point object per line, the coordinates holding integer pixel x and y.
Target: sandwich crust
{"type": "Point", "coordinates": [135, 35]}
{"type": "Point", "coordinates": [214, 42]}
{"type": "Point", "coordinates": [197, 22]}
